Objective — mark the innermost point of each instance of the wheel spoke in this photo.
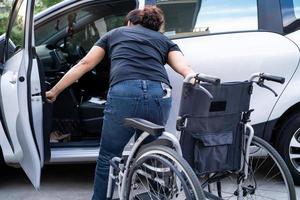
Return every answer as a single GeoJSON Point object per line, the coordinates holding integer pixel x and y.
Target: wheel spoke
{"type": "Point", "coordinates": [293, 149]}
{"type": "Point", "coordinates": [294, 142]}
{"type": "Point", "coordinates": [294, 156]}
{"type": "Point", "coordinates": [261, 164]}
{"type": "Point", "coordinates": [269, 171]}
{"type": "Point", "coordinates": [162, 177]}
{"type": "Point", "coordinates": [266, 176]}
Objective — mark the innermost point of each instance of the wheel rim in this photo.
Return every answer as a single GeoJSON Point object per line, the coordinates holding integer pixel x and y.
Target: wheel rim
{"type": "Point", "coordinates": [173, 160]}
{"type": "Point", "coordinates": [264, 182]}
{"type": "Point", "coordinates": [294, 150]}
{"type": "Point", "coordinates": [153, 183]}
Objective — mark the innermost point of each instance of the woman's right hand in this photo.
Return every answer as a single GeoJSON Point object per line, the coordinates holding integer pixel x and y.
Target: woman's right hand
{"type": "Point", "coordinates": [51, 96]}
{"type": "Point", "coordinates": [86, 64]}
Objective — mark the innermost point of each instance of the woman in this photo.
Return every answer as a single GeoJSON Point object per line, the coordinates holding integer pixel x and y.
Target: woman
{"type": "Point", "coordinates": [139, 84]}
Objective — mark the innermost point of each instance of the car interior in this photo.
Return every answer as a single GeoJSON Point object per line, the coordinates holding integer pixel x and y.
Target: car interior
{"type": "Point", "coordinates": [61, 41]}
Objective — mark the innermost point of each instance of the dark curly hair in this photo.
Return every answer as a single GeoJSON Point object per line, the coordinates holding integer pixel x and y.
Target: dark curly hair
{"type": "Point", "coordinates": [150, 17]}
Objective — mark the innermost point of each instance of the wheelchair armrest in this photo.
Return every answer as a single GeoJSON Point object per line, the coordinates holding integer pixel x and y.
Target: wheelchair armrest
{"type": "Point", "coordinates": [144, 125]}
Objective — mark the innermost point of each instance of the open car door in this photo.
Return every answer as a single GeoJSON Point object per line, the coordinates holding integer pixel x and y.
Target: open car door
{"type": "Point", "coordinates": [21, 130]}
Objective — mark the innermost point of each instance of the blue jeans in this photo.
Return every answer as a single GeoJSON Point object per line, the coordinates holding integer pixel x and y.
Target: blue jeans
{"type": "Point", "coordinates": [133, 98]}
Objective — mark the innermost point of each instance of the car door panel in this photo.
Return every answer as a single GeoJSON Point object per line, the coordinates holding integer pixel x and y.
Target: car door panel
{"type": "Point", "coordinates": [15, 109]}
{"type": "Point", "coordinates": [21, 103]}
{"type": "Point", "coordinates": [234, 57]}
{"type": "Point", "coordinates": [291, 94]}
{"type": "Point", "coordinates": [13, 154]}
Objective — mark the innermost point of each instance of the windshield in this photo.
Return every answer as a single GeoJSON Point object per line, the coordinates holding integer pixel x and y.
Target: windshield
{"type": "Point", "coordinates": [86, 21]}
{"type": "Point", "coordinates": [59, 25]}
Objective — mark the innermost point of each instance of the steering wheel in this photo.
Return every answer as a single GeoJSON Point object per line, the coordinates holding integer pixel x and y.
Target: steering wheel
{"type": "Point", "coordinates": [80, 51]}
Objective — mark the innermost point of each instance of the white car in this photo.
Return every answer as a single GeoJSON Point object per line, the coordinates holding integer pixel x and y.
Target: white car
{"type": "Point", "coordinates": [225, 38]}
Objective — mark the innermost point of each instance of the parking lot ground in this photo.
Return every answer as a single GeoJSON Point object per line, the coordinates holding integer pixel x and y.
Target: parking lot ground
{"type": "Point", "coordinates": [59, 182]}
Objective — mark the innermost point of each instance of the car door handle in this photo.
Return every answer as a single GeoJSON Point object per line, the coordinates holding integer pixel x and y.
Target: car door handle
{"type": "Point", "coordinates": [36, 94]}
{"type": "Point", "coordinates": [13, 79]}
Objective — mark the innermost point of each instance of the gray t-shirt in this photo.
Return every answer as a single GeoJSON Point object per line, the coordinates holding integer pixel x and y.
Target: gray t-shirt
{"type": "Point", "coordinates": [137, 53]}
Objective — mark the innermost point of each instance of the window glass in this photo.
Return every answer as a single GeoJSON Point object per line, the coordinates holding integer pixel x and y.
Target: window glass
{"type": "Point", "coordinates": [290, 15]}
{"type": "Point", "coordinates": [17, 29]}
{"type": "Point", "coordinates": [196, 17]}
{"type": "Point", "coordinates": [58, 25]}
{"type": "Point", "coordinates": [91, 32]}
{"type": "Point", "coordinates": [297, 8]}
{"type": "Point", "coordinates": [5, 8]}
{"type": "Point", "coordinates": [86, 24]}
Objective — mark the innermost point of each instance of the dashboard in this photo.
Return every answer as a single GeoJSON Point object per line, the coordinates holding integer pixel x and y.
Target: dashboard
{"type": "Point", "coordinates": [59, 57]}
{"type": "Point", "coordinates": [53, 60]}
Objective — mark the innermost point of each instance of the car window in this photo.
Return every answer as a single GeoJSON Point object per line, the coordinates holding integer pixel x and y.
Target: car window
{"type": "Point", "coordinates": [5, 8]}
{"type": "Point", "coordinates": [196, 17]}
{"type": "Point", "coordinates": [6, 5]}
{"type": "Point", "coordinates": [290, 15]}
{"type": "Point", "coordinates": [57, 25]}
{"type": "Point", "coordinates": [91, 32]}
{"type": "Point", "coordinates": [297, 8]}
{"type": "Point", "coordinates": [85, 24]}
{"type": "Point", "coordinates": [16, 31]}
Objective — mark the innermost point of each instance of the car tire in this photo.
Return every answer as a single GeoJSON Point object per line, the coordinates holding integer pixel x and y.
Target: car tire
{"type": "Point", "coordinates": [288, 145]}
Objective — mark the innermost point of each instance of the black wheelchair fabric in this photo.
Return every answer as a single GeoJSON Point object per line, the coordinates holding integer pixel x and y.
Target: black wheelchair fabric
{"type": "Point", "coordinates": [212, 135]}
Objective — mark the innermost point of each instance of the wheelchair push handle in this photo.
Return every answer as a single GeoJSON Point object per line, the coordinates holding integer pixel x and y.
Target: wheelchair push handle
{"type": "Point", "coordinates": [199, 77]}
{"type": "Point", "coordinates": [273, 78]}
{"type": "Point", "coordinates": [207, 79]}
{"type": "Point", "coordinates": [202, 78]}
{"type": "Point", "coordinates": [264, 76]}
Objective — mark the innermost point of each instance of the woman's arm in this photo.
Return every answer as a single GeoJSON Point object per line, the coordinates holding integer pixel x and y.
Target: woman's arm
{"type": "Point", "coordinates": [178, 63]}
{"type": "Point", "coordinates": [86, 64]}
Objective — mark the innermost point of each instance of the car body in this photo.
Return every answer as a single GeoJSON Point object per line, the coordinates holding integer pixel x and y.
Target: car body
{"type": "Point", "coordinates": [230, 40]}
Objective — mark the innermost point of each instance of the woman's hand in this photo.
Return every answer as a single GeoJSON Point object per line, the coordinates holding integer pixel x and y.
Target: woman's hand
{"type": "Point", "coordinates": [51, 96]}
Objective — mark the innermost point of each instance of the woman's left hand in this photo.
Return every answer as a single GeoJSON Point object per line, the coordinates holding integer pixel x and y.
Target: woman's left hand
{"type": "Point", "coordinates": [177, 61]}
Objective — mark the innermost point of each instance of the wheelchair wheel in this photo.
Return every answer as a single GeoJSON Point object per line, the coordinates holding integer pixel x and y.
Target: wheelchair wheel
{"type": "Point", "coordinates": [159, 173]}
{"type": "Point", "coordinates": [268, 177]}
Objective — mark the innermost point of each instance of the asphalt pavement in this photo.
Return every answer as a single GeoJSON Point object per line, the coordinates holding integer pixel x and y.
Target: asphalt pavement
{"type": "Point", "coordinates": [59, 182]}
